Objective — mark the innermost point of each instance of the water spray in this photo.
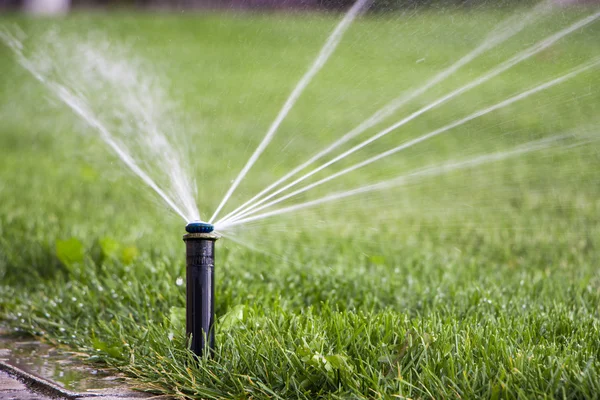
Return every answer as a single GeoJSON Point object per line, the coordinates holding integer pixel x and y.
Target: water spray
{"type": "Point", "coordinates": [200, 287]}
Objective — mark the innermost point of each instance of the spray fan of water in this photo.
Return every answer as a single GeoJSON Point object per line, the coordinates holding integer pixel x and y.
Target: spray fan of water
{"type": "Point", "coordinates": [139, 125]}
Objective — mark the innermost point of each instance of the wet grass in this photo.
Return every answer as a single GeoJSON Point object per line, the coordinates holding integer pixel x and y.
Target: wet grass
{"type": "Point", "coordinates": [482, 283]}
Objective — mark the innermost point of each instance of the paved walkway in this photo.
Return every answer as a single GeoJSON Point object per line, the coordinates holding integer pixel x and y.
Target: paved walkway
{"type": "Point", "coordinates": [16, 384]}
{"type": "Point", "coordinates": [12, 389]}
{"type": "Point", "coordinates": [22, 378]}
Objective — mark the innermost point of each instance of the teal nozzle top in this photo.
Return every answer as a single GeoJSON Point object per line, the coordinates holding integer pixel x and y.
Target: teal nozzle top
{"type": "Point", "coordinates": [199, 227]}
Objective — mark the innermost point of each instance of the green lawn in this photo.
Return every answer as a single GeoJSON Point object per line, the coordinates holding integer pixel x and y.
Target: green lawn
{"type": "Point", "coordinates": [480, 283]}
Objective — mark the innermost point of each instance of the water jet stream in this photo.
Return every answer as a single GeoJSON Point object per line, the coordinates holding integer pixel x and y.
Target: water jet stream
{"type": "Point", "coordinates": [523, 55]}
{"type": "Point", "coordinates": [79, 107]}
{"type": "Point", "coordinates": [326, 51]}
{"type": "Point", "coordinates": [414, 176]}
{"type": "Point", "coordinates": [502, 32]}
{"type": "Point", "coordinates": [429, 135]}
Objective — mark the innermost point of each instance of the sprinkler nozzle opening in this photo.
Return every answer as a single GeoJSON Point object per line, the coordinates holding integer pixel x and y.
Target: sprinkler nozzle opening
{"type": "Point", "coordinates": [199, 227]}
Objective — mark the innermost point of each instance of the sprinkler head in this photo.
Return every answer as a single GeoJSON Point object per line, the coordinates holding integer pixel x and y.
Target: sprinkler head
{"type": "Point", "coordinates": [199, 227]}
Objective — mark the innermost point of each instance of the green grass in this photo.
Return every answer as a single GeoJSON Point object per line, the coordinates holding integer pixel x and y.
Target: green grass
{"type": "Point", "coordinates": [482, 283]}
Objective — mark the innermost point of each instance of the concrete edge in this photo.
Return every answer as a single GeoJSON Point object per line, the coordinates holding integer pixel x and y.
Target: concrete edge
{"type": "Point", "coordinates": [41, 385]}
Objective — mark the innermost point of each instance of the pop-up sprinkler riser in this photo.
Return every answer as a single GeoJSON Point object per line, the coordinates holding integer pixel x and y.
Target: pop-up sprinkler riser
{"type": "Point", "coordinates": [200, 291]}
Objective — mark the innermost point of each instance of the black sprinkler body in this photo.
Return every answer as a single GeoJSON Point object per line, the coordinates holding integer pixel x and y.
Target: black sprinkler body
{"type": "Point", "coordinates": [200, 289]}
